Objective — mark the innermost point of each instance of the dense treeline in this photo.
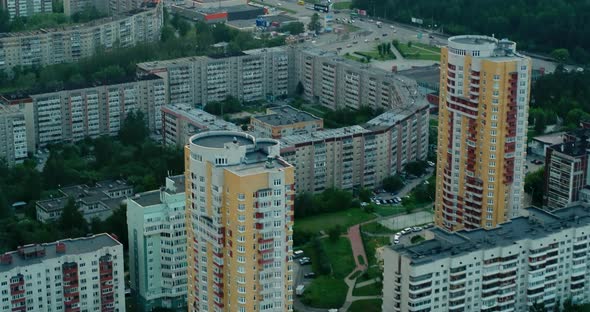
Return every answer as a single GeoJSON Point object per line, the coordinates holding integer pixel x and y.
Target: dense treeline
{"type": "Point", "coordinates": [132, 156]}
{"type": "Point", "coordinates": [539, 25]}
{"type": "Point", "coordinates": [330, 200]}
{"type": "Point", "coordinates": [179, 39]}
{"type": "Point", "coordinates": [347, 117]}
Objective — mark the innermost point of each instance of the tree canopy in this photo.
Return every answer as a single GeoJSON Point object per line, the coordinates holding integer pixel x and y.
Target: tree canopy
{"type": "Point", "coordinates": [543, 25]}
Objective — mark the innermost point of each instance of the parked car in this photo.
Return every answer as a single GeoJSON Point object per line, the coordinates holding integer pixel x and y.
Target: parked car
{"type": "Point", "coordinates": [304, 261]}
{"type": "Point", "coordinates": [430, 163]}
{"type": "Point", "coordinates": [416, 229]}
{"type": "Point", "coordinates": [396, 237]}
{"type": "Point", "coordinates": [396, 241]}
{"type": "Point", "coordinates": [309, 275]}
{"type": "Point", "coordinates": [297, 254]}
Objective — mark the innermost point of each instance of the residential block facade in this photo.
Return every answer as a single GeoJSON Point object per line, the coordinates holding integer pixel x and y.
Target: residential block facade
{"type": "Point", "coordinates": [157, 246]}
{"type": "Point", "coordinates": [81, 274]}
{"type": "Point", "coordinates": [72, 43]}
{"type": "Point", "coordinates": [26, 8]}
{"type": "Point", "coordinates": [566, 173]}
{"type": "Point", "coordinates": [484, 94]}
{"type": "Point", "coordinates": [249, 76]}
{"type": "Point", "coordinates": [109, 7]}
{"type": "Point", "coordinates": [71, 115]}
{"type": "Point", "coordinates": [358, 156]}
{"type": "Point", "coordinates": [336, 82]}
{"type": "Point", "coordinates": [13, 135]}
{"type": "Point", "coordinates": [240, 197]}
{"type": "Point", "coordinates": [539, 259]}
{"type": "Point", "coordinates": [180, 122]}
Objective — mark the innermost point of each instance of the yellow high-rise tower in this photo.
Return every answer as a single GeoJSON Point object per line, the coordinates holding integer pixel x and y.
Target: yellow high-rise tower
{"type": "Point", "coordinates": [484, 96]}
{"type": "Point", "coordinates": [240, 195]}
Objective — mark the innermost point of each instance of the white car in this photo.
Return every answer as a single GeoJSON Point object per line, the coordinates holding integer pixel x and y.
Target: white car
{"type": "Point", "coordinates": [403, 232]}
{"type": "Point", "coordinates": [430, 163]}
{"type": "Point", "coordinates": [396, 241]}
{"type": "Point", "coordinates": [416, 229]}
{"type": "Point", "coordinates": [396, 237]}
{"type": "Point", "coordinates": [408, 230]}
{"type": "Point", "coordinates": [391, 27]}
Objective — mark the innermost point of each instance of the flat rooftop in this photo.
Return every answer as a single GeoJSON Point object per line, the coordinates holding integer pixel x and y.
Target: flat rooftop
{"type": "Point", "coordinates": [550, 139]}
{"type": "Point", "coordinates": [218, 140]}
{"type": "Point", "coordinates": [469, 39]}
{"type": "Point", "coordinates": [286, 115]}
{"type": "Point", "coordinates": [394, 116]}
{"type": "Point", "coordinates": [291, 140]}
{"type": "Point", "coordinates": [426, 74]}
{"type": "Point", "coordinates": [147, 199]}
{"type": "Point", "coordinates": [199, 117]}
{"type": "Point", "coordinates": [36, 254]}
{"type": "Point", "coordinates": [574, 149]}
{"type": "Point", "coordinates": [539, 223]}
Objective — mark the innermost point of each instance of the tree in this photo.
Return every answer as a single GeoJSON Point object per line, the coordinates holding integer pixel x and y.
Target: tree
{"type": "Point", "coordinates": [416, 168]}
{"type": "Point", "coordinates": [534, 185]}
{"type": "Point", "coordinates": [294, 28]}
{"type": "Point", "coordinates": [314, 25]}
{"type": "Point", "coordinates": [300, 89]}
{"type": "Point", "coordinates": [134, 130]}
{"type": "Point", "coordinates": [393, 183]}
{"type": "Point", "coordinates": [334, 233]}
{"type": "Point", "coordinates": [5, 210]}
{"type": "Point", "coordinates": [561, 55]}
{"type": "Point", "coordinates": [71, 222]}
{"type": "Point", "coordinates": [4, 21]}
{"type": "Point", "coordinates": [365, 195]}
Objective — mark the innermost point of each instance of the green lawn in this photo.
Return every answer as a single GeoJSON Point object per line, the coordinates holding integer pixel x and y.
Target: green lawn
{"type": "Point", "coordinates": [326, 221]}
{"type": "Point", "coordinates": [372, 305]}
{"type": "Point", "coordinates": [371, 245]}
{"type": "Point", "coordinates": [342, 5]}
{"type": "Point", "coordinates": [354, 58]}
{"type": "Point", "coordinates": [374, 54]}
{"type": "Point", "coordinates": [418, 51]}
{"type": "Point", "coordinates": [376, 228]}
{"type": "Point", "coordinates": [341, 257]}
{"type": "Point", "coordinates": [387, 210]}
{"type": "Point", "coordinates": [374, 289]}
{"type": "Point", "coordinates": [325, 293]}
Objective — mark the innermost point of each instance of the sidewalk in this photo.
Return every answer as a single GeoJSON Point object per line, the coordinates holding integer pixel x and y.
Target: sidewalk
{"type": "Point", "coordinates": [358, 249]}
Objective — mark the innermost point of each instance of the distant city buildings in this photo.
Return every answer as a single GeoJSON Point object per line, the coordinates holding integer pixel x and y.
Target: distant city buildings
{"type": "Point", "coordinates": [336, 82]}
{"type": "Point", "coordinates": [542, 258]}
{"type": "Point", "coordinates": [284, 120]}
{"type": "Point", "coordinates": [82, 274]}
{"type": "Point", "coordinates": [26, 8]}
{"type": "Point", "coordinates": [74, 114]}
{"type": "Point", "coordinates": [157, 246]}
{"type": "Point", "coordinates": [239, 223]}
{"type": "Point", "coordinates": [361, 155]}
{"type": "Point", "coordinates": [72, 43]}
{"type": "Point", "coordinates": [180, 122]}
{"type": "Point", "coordinates": [109, 7]}
{"type": "Point", "coordinates": [94, 202]}
{"type": "Point", "coordinates": [249, 76]}
{"type": "Point", "coordinates": [483, 115]}
{"type": "Point", "coordinates": [13, 135]}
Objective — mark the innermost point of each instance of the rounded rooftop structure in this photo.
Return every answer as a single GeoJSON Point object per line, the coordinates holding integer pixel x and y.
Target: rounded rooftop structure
{"type": "Point", "coordinates": [219, 139]}
{"type": "Point", "coordinates": [473, 45]}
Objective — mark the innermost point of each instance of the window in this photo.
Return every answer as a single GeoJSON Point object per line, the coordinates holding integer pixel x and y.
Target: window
{"type": "Point", "coordinates": [241, 207]}
{"type": "Point", "coordinates": [241, 196]}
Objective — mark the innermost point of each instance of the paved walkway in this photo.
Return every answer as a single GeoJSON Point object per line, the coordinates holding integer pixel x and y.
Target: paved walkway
{"type": "Point", "coordinates": [358, 249]}
{"type": "Point", "coordinates": [365, 283]}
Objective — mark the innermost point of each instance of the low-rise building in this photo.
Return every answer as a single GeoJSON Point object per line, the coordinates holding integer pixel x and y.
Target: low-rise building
{"type": "Point", "coordinates": [180, 122]}
{"type": "Point", "coordinates": [541, 143]}
{"type": "Point", "coordinates": [541, 258]}
{"type": "Point", "coordinates": [13, 135]}
{"type": "Point", "coordinates": [82, 274]}
{"type": "Point", "coordinates": [361, 155]}
{"type": "Point", "coordinates": [285, 120]}
{"type": "Point", "coordinates": [260, 74]}
{"type": "Point", "coordinates": [71, 115]}
{"type": "Point", "coordinates": [94, 202]}
{"type": "Point", "coordinates": [157, 244]}
{"type": "Point", "coordinates": [336, 82]}
{"type": "Point", "coordinates": [26, 8]}
{"type": "Point", "coordinates": [72, 43]}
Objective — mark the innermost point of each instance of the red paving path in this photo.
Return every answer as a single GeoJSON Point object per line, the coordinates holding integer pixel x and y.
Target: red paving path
{"type": "Point", "coordinates": [354, 235]}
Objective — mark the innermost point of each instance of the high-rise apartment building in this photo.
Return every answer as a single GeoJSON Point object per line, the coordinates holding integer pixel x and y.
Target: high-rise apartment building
{"type": "Point", "coordinates": [13, 135]}
{"type": "Point", "coordinates": [358, 156]}
{"type": "Point", "coordinates": [539, 259]}
{"type": "Point", "coordinates": [75, 42]}
{"type": "Point", "coordinates": [157, 246]}
{"type": "Point", "coordinates": [253, 75]}
{"type": "Point", "coordinates": [484, 94]}
{"type": "Point", "coordinates": [240, 195]}
{"type": "Point", "coordinates": [26, 8]}
{"type": "Point", "coordinates": [81, 274]}
{"type": "Point", "coordinates": [109, 7]}
{"type": "Point", "coordinates": [336, 82]}
{"type": "Point", "coordinates": [180, 122]}
{"type": "Point", "coordinates": [566, 173]}
{"type": "Point", "coordinates": [73, 114]}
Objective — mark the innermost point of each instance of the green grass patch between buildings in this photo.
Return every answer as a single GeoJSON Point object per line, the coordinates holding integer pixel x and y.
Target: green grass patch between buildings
{"type": "Point", "coordinates": [371, 305]}
{"type": "Point", "coordinates": [374, 289]}
{"type": "Point", "coordinates": [325, 293]}
{"type": "Point", "coordinates": [324, 222]}
{"type": "Point", "coordinates": [341, 258]}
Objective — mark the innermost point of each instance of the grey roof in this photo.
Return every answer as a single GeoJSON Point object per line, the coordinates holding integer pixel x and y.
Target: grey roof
{"type": "Point", "coordinates": [146, 199]}
{"type": "Point", "coordinates": [75, 246]}
{"type": "Point", "coordinates": [427, 74]}
{"type": "Point", "coordinates": [286, 115]}
{"type": "Point", "coordinates": [218, 140]}
{"type": "Point", "coordinates": [538, 224]}
{"type": "Point", "coordinates": [178, 184]}
{"type": "Point", "coordinates": [294, 139]}
{"type": "Point", "coordinates": [87, 194]}
{"type": "Point", "coordinates": [473, 39]}
{"type": "Point", "coordinates": [573, 149]}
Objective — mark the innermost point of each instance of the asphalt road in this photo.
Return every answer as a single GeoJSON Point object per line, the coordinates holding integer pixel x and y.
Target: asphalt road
{"type": "Point", "coordinates": [370, 31]}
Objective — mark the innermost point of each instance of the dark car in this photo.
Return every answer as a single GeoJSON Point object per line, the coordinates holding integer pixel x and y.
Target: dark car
{"type": "Point", "coordinates": [305, 262]}
{"type": "Point", "coordinates": [309, 275]}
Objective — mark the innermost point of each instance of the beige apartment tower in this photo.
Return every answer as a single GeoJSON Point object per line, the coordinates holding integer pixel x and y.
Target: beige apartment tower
{"type": "Point", "coordinates": [484, 95]}
{"type": "Point", "coordinates": [239, 222]}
